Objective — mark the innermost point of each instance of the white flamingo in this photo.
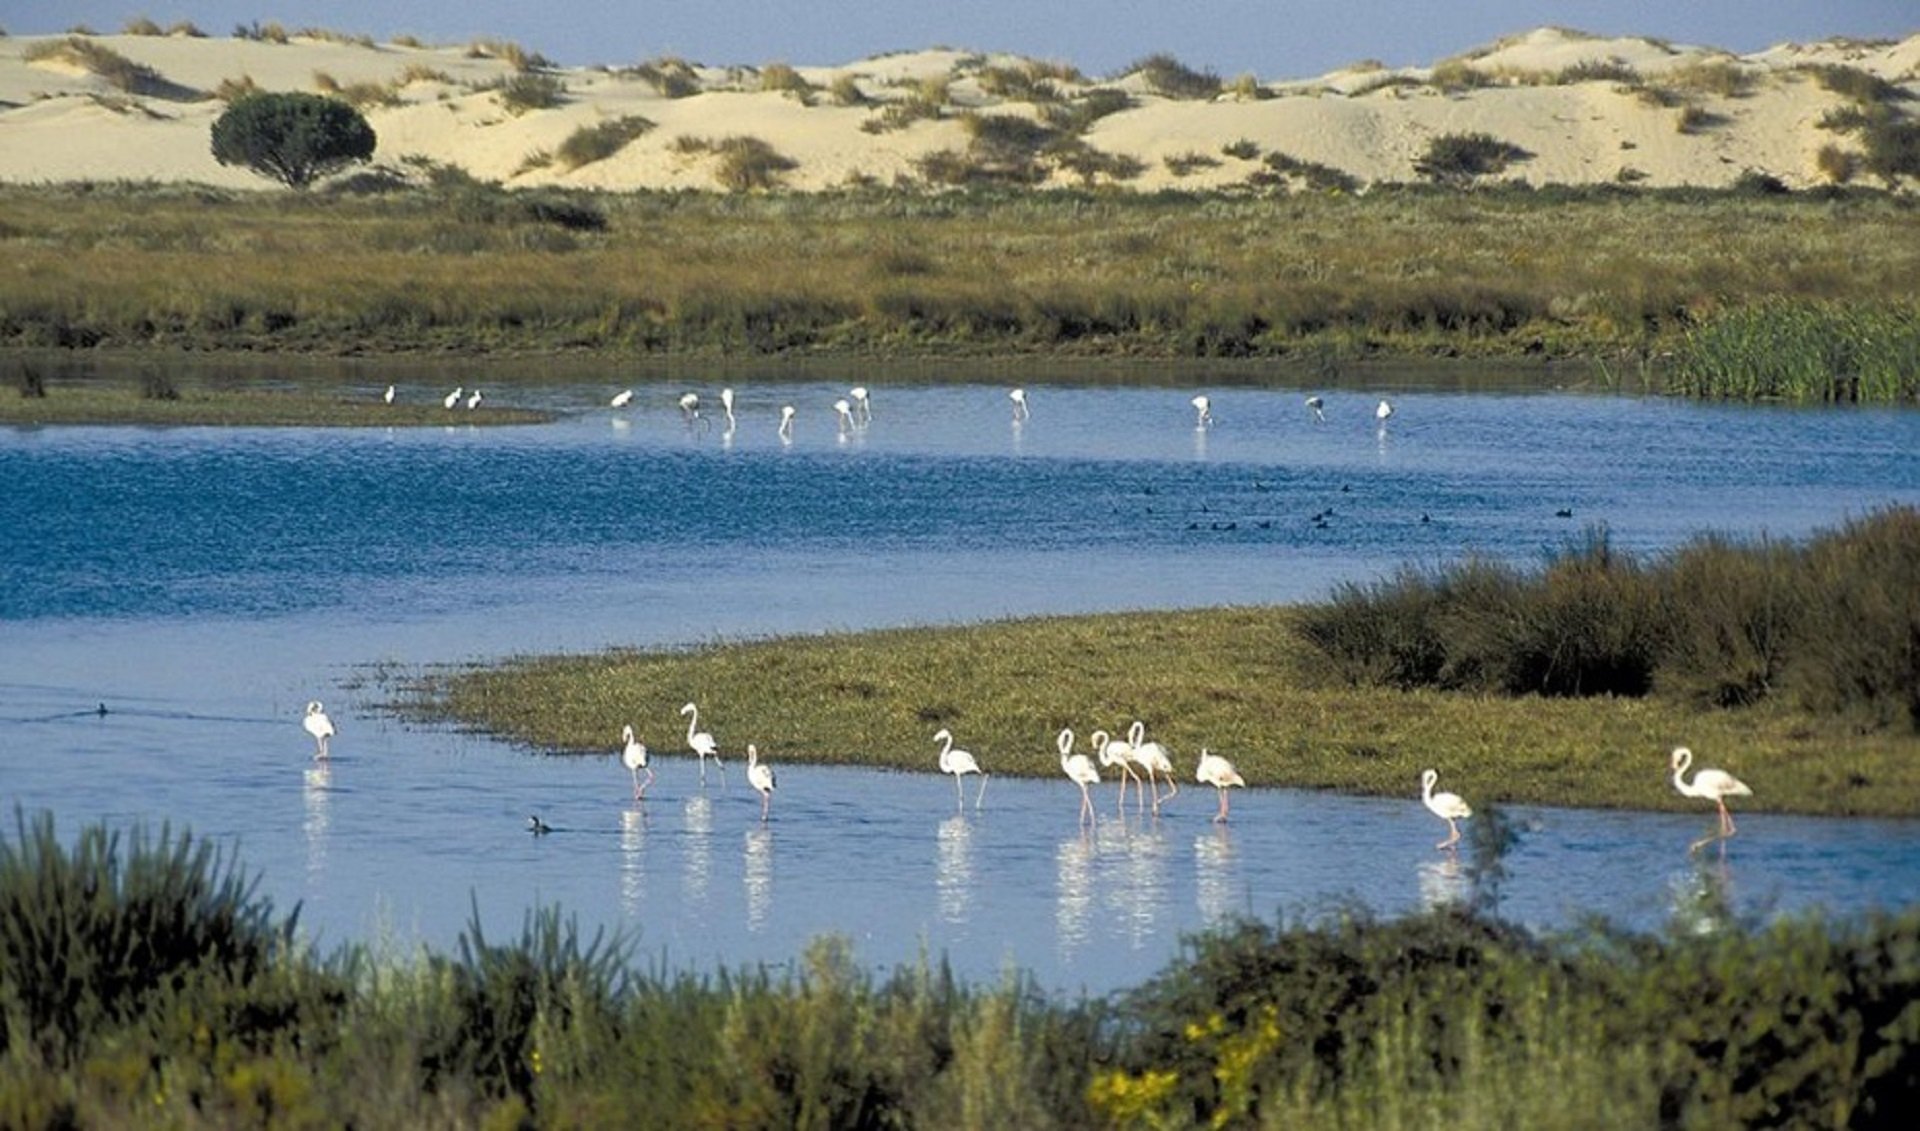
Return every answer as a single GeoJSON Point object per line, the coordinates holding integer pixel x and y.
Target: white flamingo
{"type": "Point", "coordinates": [621, 399]}
{"type": "Point", "coordinates": [959, 763]}
{"type": "Point", "coordinates": [702, 743]}
{"type": "Point", "coordinates": [1714, 785]}
{"type": "Point", "coordinates": [473, 399]}
{"type": "Point", "coordinates": [1019, 399]}
{"type": "Point", "coordinates": [861, 402]}
{"type": "Point", "coordinates": [1202, 411]}
{"type": "Point", "coordinates": [760, 776]}
{"type": "Point", "coordinates": [320, 727]}
{"type": "Point", "coordinates": [726, 402]}
{"type": "Point", "coordinates": [1449, 807]}
{"type": "Point", "coordinates": [388, 396]}
{"type": "Point", "coordinates": [634, 756]}
{"type": "Point", "coordinates": [845, 412]}
{"type": "Point", "coordinates": [690, 405]}
{"type": "Point", "coordinates": [1155, 758]}
{"type": "Point", "coordinates": [1318, 406]}
{"type": "Point", "coordinates": [453, 398]}
{"type": "Point", "coordinates": [1079, 770]}
{"type": "Point", "coordinates": [786, 422]}
{"type": "Point", "coordinates": [1218, 773]}
{"type": "Point", "coordinates": [1113, 752]}
{"type": "Point", "coordinates": [1382, 411]}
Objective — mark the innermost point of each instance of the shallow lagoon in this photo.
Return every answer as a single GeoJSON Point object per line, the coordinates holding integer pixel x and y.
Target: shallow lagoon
{"type": "Point", "coordinates": [203, 584]}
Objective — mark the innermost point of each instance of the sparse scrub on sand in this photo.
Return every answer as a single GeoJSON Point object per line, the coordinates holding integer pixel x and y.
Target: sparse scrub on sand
{"type": "Point", "coordinates": [780, 78]}
{"type": "Point", "coordinates": [742, 164]}
{"type": "Point", "coordinates": [1018, 84]}
{"type": "Point", "coordinates": [117, 70]}
{"type": "Point", "coordinates": [1717, 77]}
{"type": "Point", "coordinates": [1078, 114]}
{"type": "Point", "coordinates": [509, 52]}
{"type": "Point", "coordinates": [1170, 78]}
{"type": "Point", "coordinates": [1859, 86]}
{"type": "Point", "coordinates": [601, 140]}
{"type": "Point", "coordinates": [1455, 75]}
{"type": "Point", "coordinates": [141, 25]}
{"type": "Point", "coordinates": [530, 91]}
{"type": "Point", "coordinates": [845, 91]}
{"type": "Point", "coordinates": [669, 76]}
{"type": "Point", "coordinates": [1463, 158]}
{"type": "Point", "coordinates": [1187, 163]}
{"type": "Point", "coordinates": [1598, 70]}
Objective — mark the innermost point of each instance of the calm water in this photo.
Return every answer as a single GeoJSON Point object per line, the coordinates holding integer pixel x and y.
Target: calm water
{"type": "Point", "coordinates": [204, 584]}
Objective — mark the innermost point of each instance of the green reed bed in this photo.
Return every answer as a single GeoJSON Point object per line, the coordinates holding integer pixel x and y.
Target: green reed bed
{"type": "Point", "coordinates": [1803, 351]}
{"type": "Point", "coordinates": [1447, 1019]}
{"type": "Point", "coordinates": [463, 266]}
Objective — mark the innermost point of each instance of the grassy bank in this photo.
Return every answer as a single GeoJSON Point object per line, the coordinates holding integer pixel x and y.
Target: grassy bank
{"type": "Point", "coordinates": [145, 983]}
{"type": "Point", "coordinates": [1239, 681]}
{"type": "Point", "coordinates": [131, 404]}
{"type": "Point", "coordinates": [1564, 272]}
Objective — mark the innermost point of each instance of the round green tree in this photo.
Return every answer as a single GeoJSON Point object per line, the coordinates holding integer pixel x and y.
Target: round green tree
{"type": "Point", "coordinates": [293, 138]}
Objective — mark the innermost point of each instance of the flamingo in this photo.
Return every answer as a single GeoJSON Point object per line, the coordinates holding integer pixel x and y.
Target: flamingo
{"type": "Point", "coordinates": [702, 743]}
{"type": "Point", "coordinates": [1115, 753]}
{"type": "Point", "coordinates": [859, 395]}
{"type": "Point", "coordinates": [1019, 399]}
{"type": "Point", "coordinates": [473, 400]}
{"type": "Point", "coordinates": [726, 402]}
{"type": "Point", "coordinates": [621, 399]}
{"type": "Point", "coordinates": [1715, 785]}
{"type": "Point", "coordinates": [1079, 770]}
{"type": "Point", "coordinates": [1202, 411]}
{"type": "Point", "coordinates": [1317, 405]}
{"type": "Point", "coordinates": [1449, 807]}
{"type": "Point", "coordinates": [690, 405]}
{"type": "Point", "coordinates": [786, 422]}
{"type": "Point", "coordinates": [1218, 773]}
{"type": "Point", "coordinates": [634, 756]}
{"type": "Point", "coordinates": [388, 395]}
{"type": "Point", "coordinates": [1383, 411]}
{"type": "Point", "coordinates": [846, 415]}
{"type": "Point", "coordinates": [453, 398]}
{"type": "Point", "coordinates": [1155, 758]}
{"type": "Point", "coordinates": [319, 726]}
{"type": "Point", "coordinates": [958, 763]}
{"type": "Point", "coordinates": [760, 776]}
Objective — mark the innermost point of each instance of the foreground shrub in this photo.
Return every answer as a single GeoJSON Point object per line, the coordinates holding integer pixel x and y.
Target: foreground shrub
{"type": "Point", "coordinates": [294, 138]}
{"type": "Point", "coordinates": [1459, 158]}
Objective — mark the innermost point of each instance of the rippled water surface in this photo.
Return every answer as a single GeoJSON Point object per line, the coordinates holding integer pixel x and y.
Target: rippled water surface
{"type": "Point", "coordinates": [204, 584]}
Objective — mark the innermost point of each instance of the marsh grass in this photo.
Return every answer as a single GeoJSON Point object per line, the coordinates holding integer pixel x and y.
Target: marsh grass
{"type": "Point", "coordinates": [1398, 271]}
{"type": "Point", "coordinates": [96, 403]}
{"type": "Point", "coordinates": [1804, 351]}
{"type": "Point", "coordinates": [146, 983]}
{"type": "Point", "coordinates": [1238, 681]}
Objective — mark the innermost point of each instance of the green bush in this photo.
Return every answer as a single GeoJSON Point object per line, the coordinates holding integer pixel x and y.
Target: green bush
{"type": "Point", "coordinates": [531, 90]}
{"type": "Point", "coordinates": [1460, 158]}
{"type": "Point", "coordinates": [1170, 78]}
{"type": "Point", "coordinates": [293, 138]}
{"type": "Point", "coordinates": [601, 140]}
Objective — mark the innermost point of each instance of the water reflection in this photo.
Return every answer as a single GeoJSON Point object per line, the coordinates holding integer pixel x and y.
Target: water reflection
{"type": "Point", "coordinates": [1213, 873]}
{"type": "Point", "coordinates": [1443, 883]}
{"type": "Point", "coordinates": [698, 857]}
{"type": "Point", "coordinates": [317, 796]}
{"type": "Point", "coordinates": [1143, 896]}
{"type": "Point", "coordinates": [1073, 891]}
{"type": "Point", "coordinates": [759, 877]}
{"type": "Point", "coordinates": [953, 869]}
{"type": "Point", "coordinates": [1701, 898]}
{"type": "Point", "coordinates": [633, 859]}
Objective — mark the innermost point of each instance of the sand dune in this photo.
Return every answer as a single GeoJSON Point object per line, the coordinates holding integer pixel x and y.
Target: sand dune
{"type": "Point", "coordinates": [1653, 113]}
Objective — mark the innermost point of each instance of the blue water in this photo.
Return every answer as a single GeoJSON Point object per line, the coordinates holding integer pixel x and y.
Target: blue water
{"type": "Point", "coordinates": [203, 584]}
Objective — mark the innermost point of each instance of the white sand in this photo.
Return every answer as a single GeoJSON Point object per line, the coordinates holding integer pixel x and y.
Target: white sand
{"type": "Point", "coordinates": [61, 123]}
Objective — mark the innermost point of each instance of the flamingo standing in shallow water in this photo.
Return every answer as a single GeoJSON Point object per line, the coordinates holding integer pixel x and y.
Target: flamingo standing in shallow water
{"type": "Point", "coordinates": [1019, 399]}
{"type": "Point", "coordinates": [473, 399]}
{"type": "Point", "coordinates": [621, 399]}
{"type": "Point", "coordinates": [860, 401]}
{"type": "Point", "coordinates": [1449, 807]}
{"type": "Point", "coordinates": [453, 398]}
{"type": "Point", "coordinates": [318, 725]}
{"type": "Point", "coordinates": [1317, 405]}
{"type": "Point", "coordinates": [702, 743]}
{"type": "Point", "coordinates": [1155, 759]}
{"type": "Point", "coordinates": [1382, 411]}
{"type": "Point", "coordinates": [845, 412]}
{"type": "Point", "coordinates": [388, 395]}
{"type": "Point", "coordinates": [1079, 770]}
{"type": "Point", "coordinates": [1113, 752]}
{"type": "Point", "coordinates": [1218, 773]}
{"type": "Point", "coordinates": [786, 422]}
{"type": "Point", "coordinates": [1714, 785]}
{"type": "Point", "coordinates": [1202, 411]}
{"type": "Point", "coordinates": [690, 406]}
{"type": "Point", "coordinates": [634, 756]}
{"type": "Point", "coordinates": [760, 777]}
{"type": "Point", "coordinates": [726, 402]}
{"type": "Point", "coordinates": [959, 763]}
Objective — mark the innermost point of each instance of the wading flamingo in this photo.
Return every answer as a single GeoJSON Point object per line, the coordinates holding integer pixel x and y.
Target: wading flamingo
{"type": "Point", "coordinates": [388, 395]}
{"type": "Point", "coordinates": [1449, 807]}
{"type": "Point", "coordinates": [760, 777]}
{"type": "Point", "coordinates": [621, 399]}
{"type": "Point", "coordinates": [1202, 411]}
{"type": "Point", "coordinates": [959, 763]}
{"type": "Point", "coordinates": [786, 422]}
{"type": "Point", "coordinates": [726, 402]}
{"type": "Point", "coordinates": [702, 743]}
{"type": "Point", "coordinates": [861, 402]}
{"type": "Point", "coordinates": [1079, 770]}
{"type": "Point", "coordinates": [1019, 399]}
{"type": "Point", "coordinates": [1218, 773]}
{"type": "Point", "coordinates": [319, 726]}
{"type": "Point", "coordinates": [634, 756]}
{"type": "Point", "coordinates": [1155, 759]}
{"type": "Point", "coordinates": [1113, 752]}
{"type": "Point", "coordinates": [453, 398]}
{"type": "Point", "coordinates": [1714, 785]}
{"type": "Point", "coordinates": [1318, 406]}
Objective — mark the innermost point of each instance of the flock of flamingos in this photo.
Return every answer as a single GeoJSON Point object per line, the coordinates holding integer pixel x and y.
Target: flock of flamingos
{"type": "Point", "coordinates": [1130, 759]}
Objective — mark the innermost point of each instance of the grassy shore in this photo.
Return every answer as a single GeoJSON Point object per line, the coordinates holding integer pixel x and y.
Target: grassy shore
{"type": "Point", "coordinates": [1237, 681]}
{"type": "Point", "coordinates": [128, 404]}
{"type": "Point", "coordinates": [464, 267]}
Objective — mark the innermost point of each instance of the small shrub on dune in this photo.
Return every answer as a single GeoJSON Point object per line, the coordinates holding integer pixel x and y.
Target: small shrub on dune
{"type": "Point", "coordinates": [845, 91]}
{"type": "Point", "coordinates": [1170, 78]}
{"type": "Point", "coordinates": [1718, 77]}
{"type": "Point", "coordinates": [781, 78]}
{"type": "Point", "coordinates": [1453, 75]}
{"type": "Point", "coordinates": [670, 77]}
{"type": "Point", "coordinates": [1188, 163]}
{"type": "Point", "coordinates": [1598, 70]}
{"type": "Point", "coordinates": [1078, 114]}
{"type": "Point", "coordinates": [1461, 158]}
{"type": "Point", "coordinates": [140, 25]}
{"type": "Point", "coordinates": [1857, 85]}
{"type": "Point", "coordinates": [601, 140]}
{"type": "Point", "coordinates": [531, 91]}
